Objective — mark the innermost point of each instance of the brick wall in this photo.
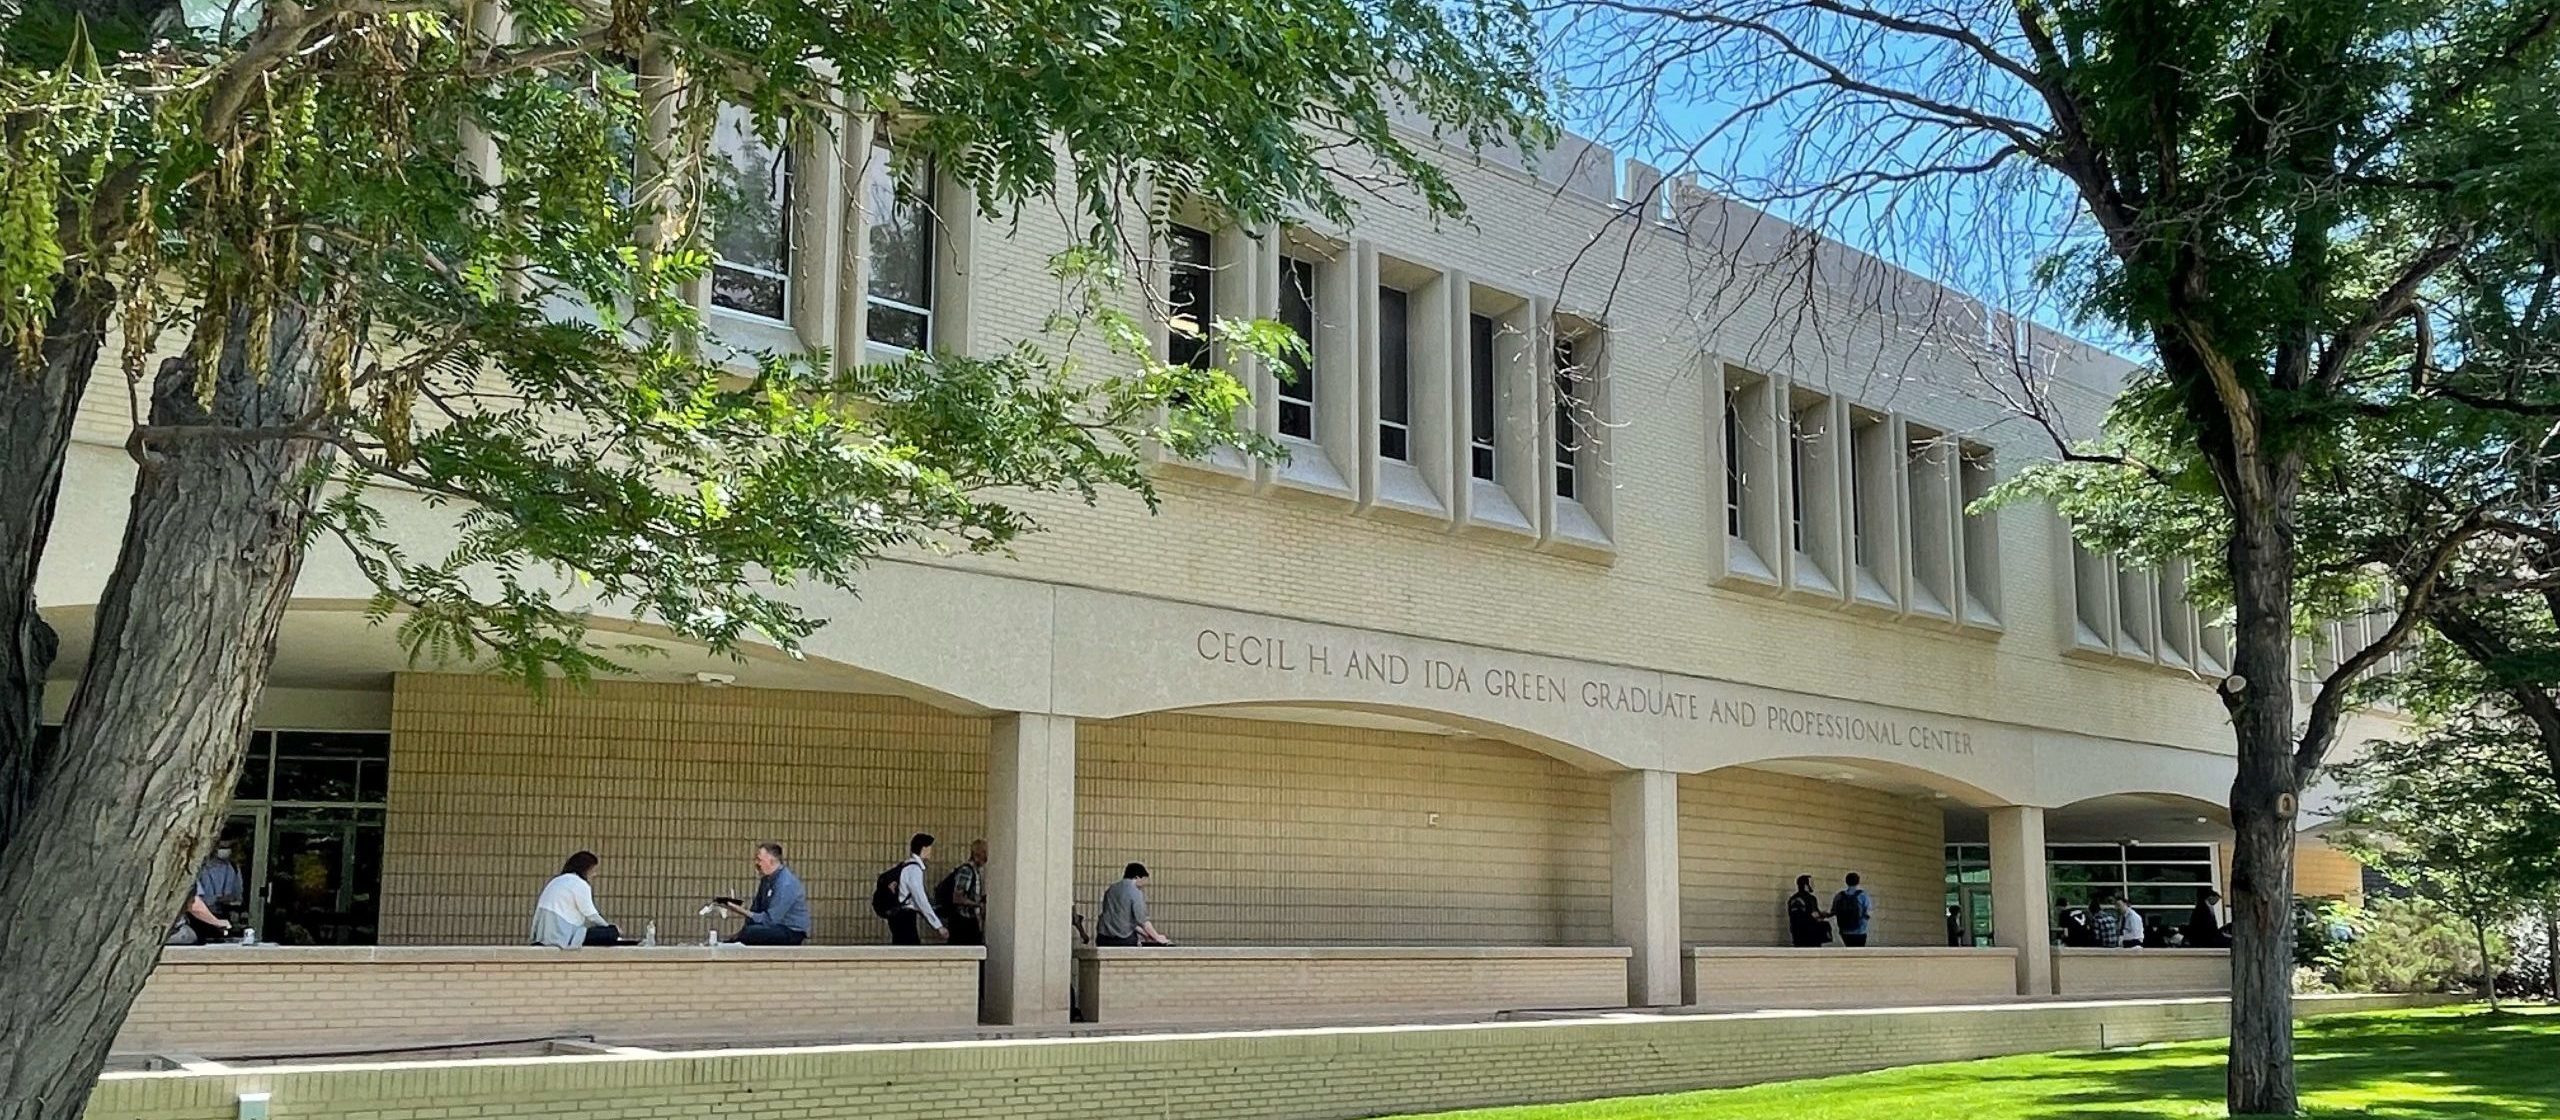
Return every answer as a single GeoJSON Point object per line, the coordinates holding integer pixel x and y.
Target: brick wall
{"type": "Point", "coordinates": [1259, 832]}
{"type": "Point", "coordinates": [223, 1001]}
{"type": "Point", "coordinates": [672, 786]}
{"type": "Point", "coordinates": [2320, 871]}
{"type": "Point", "coordinates": [1746, 834]}
{"type": "Point", "coordinates": [1229, 986]}
{"type": "Point", "coordinates": [1838, 977]}
{"type": "Point", "coordinates": [1284, 1075]}
{"type": "Point", "coordinates": [2122, 972]}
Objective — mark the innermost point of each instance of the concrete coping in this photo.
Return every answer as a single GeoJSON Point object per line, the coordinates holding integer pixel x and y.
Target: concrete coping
{"type": "Point", "coordinates": [1350, 952]}
{"type": "Point", "coordinates": [267, 955]}
{"type": "Point", "coordinates": [2100, 951]}
{"type": "Point", "coordinates": [1758, 952]}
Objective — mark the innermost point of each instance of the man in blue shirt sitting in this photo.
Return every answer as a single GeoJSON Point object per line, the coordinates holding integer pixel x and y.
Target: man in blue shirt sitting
{"type": "Point", "coordinates": [779, 913]}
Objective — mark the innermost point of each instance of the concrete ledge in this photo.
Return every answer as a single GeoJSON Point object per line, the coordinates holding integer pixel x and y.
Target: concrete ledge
{"type": "Point", "coordinates": [2139, 972]}
{"type": "Point", "coordinates": [1327, 1074]}
{"type": "Point", "coordinates": [226, 1001]}
{"type": "Point", "coordinates": [1778, 977]}
{"type": "Point", "coordinates": [1286, 983]}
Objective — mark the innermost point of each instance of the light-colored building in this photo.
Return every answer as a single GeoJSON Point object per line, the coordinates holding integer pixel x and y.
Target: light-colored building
{"type": "Point", "coordinates": [1610, 586]}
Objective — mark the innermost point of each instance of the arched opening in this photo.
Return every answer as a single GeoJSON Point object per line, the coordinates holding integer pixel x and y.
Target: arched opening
{"type": "Point", "coordinates": [1321, 825]}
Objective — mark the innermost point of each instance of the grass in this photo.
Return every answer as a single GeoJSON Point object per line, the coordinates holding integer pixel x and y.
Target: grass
{"type": "Point", "coordinates": [2443, 1064]}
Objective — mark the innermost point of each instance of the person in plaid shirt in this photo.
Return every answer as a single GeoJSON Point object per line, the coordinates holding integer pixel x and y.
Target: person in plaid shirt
{"type": "Point", "coordinates": [969, 898]}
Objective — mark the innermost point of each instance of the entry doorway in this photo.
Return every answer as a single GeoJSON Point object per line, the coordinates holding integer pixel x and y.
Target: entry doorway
{"type": "Point", "coordinates": [305, 832]}
{"type": "Point", "coordinates": [1973, 912]}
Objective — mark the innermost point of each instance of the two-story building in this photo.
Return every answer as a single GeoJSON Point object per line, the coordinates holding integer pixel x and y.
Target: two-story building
{"type": "Point", "coordinates": [1625, 566]}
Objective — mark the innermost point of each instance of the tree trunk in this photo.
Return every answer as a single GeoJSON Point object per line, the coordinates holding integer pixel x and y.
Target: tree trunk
{"type": "Point", "coordinates": [2551, 950]}
{"type": "Point", "coordinates": [2488, 971]}
{"type": "Point", "coordinates": [2264, 798]}
{"type": "Point", "coordinates": [37, 403]}
{"type": "Point", "coordinates": [152, 743]}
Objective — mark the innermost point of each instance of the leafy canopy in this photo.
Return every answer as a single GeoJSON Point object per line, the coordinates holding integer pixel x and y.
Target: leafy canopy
{"type": "Point", "coordinates": [484, 233]}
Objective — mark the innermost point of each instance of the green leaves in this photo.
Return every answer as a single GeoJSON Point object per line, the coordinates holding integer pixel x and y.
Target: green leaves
{"type": "Point", "coordinates": [510, 238]}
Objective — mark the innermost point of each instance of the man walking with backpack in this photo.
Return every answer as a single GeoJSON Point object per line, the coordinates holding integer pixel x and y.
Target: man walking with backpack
{"type": "Point", "coordinates": [1851, 908]}
{"type": "Point", "coordinates": [962, 896]}
{"type": "Point", "coordinates": [900, 898]}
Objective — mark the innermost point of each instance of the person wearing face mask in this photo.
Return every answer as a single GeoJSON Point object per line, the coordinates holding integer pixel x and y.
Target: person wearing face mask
{"type": "Point", "coordinates": [220, 895]}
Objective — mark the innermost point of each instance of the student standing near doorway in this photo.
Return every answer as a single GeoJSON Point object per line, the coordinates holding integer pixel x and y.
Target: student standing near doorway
{"type": "Point", "coordinates": [1852, 908]}
{"type": "Point", "coordinates": [1805, 927]}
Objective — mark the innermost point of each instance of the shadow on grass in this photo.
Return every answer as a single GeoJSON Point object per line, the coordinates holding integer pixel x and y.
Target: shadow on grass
{"type": "Point", "coordinates": [2455, 1065]}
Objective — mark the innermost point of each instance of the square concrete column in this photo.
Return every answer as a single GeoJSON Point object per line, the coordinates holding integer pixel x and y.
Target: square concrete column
{"type": "Point", "coordinates": [1644, 882]}
{"type": "Point", "coordinates": [1031, 868]}
{"type": "Point", "coordinates": [2019, 895]}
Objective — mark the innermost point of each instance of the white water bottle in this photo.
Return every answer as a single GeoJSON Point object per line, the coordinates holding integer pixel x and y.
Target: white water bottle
{"type": "Point", "coordinates": [711, 937]}
{"type": "Point", "coordinates": [649, 937]}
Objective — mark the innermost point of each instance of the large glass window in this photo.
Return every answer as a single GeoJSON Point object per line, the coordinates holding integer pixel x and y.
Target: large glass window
{"type": "Point", "coordinates": [1395, 376]}
{"type": "Point", "coordinates": [1298, 383]}
{"type": "Point", "coordinates": [1480, 396]}
{"type": "Point", "coordinates": [2162, 881]}
{"type": "Point", "coordinates": [748, 198]}
{"type": "Point", "coordinates": [897, 203]}
{"type": "Point", "coordinates": [1189, 297]}
{"type": "Point", "coordinates": [304, 830]}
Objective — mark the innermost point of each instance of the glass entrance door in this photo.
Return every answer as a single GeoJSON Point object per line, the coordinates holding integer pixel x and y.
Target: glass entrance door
{"type": "Point", "coordinates": [321, 871]}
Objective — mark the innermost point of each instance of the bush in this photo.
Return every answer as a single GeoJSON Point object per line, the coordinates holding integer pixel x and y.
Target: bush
{"type": "Point", "coordinates": [2528, 973]}
{"type": "Point", "coordinates": [2412, 945]}
{"type": "Point", "coordinates": [2308, 981]}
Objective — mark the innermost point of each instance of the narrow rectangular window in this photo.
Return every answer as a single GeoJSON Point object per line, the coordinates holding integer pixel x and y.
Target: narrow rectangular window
{"type": "Point", "coordinates": [1395, 377]}
{"type": "Point", "coordinates": [749, 198]}
{"type": "Point", "coordinates": [1480, 396]}
{"type": "Point", "coordinates": [1568, 416]}
{"type": "Point", "coordinates": [1733, 462]}
{"type": "Point", "coordinates": [1189, 297]}
{"type": "Point", "coordinates": [900, 213]}
{"type": "Point", "coordinates": [1298, 380]}
{"type": "Point", "coordinates": [1799, 448]}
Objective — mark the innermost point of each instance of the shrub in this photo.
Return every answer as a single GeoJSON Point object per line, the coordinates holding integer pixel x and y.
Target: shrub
{"type": "Point", "coordinates": [2412, 945]}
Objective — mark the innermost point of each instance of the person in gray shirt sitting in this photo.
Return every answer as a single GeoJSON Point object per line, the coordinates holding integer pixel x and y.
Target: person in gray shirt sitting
{"type": "Point", "coordinates": [1123, 920]}
{"type": "Point", "coordinates": [779, 914]}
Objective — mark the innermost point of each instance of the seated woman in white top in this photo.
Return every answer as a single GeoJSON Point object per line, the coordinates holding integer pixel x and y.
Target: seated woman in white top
{"type": "Point", "coordinates": [565, 916]}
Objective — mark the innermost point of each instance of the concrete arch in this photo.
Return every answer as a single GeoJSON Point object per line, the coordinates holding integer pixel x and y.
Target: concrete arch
{"type": "Point", "coordinates": [2152, 818]}
{"type": "Point", "coordinates": [1890, 776]}
{"type": "Point", "coordinates": [1422, 719]}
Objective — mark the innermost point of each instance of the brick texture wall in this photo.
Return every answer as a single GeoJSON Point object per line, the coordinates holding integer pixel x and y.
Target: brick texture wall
{"type": "Point", "coordinates": [1259, 832]}
{"type": "Point", "coordinates": [2139, 972]}
{"type": "Point", "coordinates": [672, 786]}
{"type": "Point", "coordinates": [2320, 871]}
{"type": "Point", "coordinates": [1746, 834]}
{"type": "Point", "coordinates": [1847, 977]}
{"type": "Point", "coordinates": [219, 1002]}
{"type": "Point", "coordinates": [1290, 1075]}
{"type": "Point", "coordinates": [1158, 985]}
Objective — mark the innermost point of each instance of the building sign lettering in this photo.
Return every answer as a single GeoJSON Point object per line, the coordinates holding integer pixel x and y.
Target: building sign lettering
{"type": "Point", "coordinates": [1266, 653]}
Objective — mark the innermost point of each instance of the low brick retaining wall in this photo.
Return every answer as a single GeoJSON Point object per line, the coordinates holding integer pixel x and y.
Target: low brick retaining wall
{"type": "Point", "coordinates": [1230, 985]}
{"type": "Point", "coordinates": [2141, 972]}
{"type": "Point", "coordinates": [1764, 977]}
{"type": "Point", "coordinates": [218, 1001]}
{"type": "Point", "coordinates": [1327, 1074]}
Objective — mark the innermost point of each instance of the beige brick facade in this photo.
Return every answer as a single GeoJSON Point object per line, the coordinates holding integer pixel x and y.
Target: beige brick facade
{"type": "Point", "coordinates": [1258, 832]}
{"type": "Point", "coordinates": [2140, 972]}
{"type": "Point", "coordinates": [224, 1001]}
{"type": "Point", "coordinates": [1284, 1075]}
{"type": "Point", "coordinates": [1841, 977]}
{"type": "Point", "coordinates": [1329, 984]}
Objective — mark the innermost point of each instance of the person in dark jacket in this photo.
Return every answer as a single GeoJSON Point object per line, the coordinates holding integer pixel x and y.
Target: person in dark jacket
{"type": "Point", "coordinates": [1807, 925]}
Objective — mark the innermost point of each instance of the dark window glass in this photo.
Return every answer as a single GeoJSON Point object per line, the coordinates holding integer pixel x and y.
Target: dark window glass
{"type": "Point", "coordinates": [254, 769]}
{"type": "Point", "coordinates": [749, 200]}
{"type": "Point", "coordinates": [1189, 298]}
{"type": "Point", "coordinates": [330, 765]}
{"type": "Point", "coordinates": [1732, 463]}
{"type": "Point", "coordinates": [1568, 416]}
{"type": "Point", "coordinates": [1395, 374]}
{"type": "Point", "coordinates": [1800, 446]}
{"type": "Point", "coordinates": [1298, 381]}
{"type": "Point", "coordinates": [1861, 549]}
{"type": "Point", "coordinates": [898, 204]}
{"type": "Point", "coordinates": [1480, 396]}
{"type": "Point", "coordinates": [2088, 853]}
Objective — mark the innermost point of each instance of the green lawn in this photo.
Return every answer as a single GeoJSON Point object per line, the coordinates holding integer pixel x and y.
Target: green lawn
{"type": "Point", "coordinates": [2406, 1065]}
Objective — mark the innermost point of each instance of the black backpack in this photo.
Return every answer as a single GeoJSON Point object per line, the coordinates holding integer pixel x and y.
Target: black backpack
{"type": "Point", "coordinates": [884, 892]}
{"type": "Point", "coordinates": [943, 891]}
